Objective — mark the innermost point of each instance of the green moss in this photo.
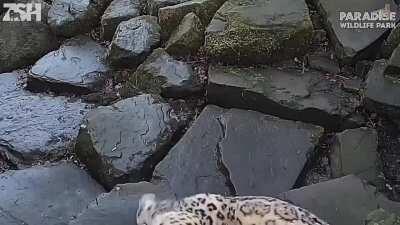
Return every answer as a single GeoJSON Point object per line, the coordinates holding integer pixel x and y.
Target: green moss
{"type": "Point", "coordinates": [245, 44]}
{"type": "Point", "coordinates": [140, 83]}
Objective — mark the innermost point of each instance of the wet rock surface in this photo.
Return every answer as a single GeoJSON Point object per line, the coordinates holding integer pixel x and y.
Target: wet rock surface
{"type": "Point", "coordinates": [344, 201]}
{"type": "Point", "coordinates": [355, 152]}
{"type": "Point", "coordinates": [122, 143]}
{"type": "Point", "coordinates": [250, 32]}
{"type": "Point", "coordinates": [171, 16]}
{"type": "Point", "coordinates": [55, 192]}
{"type": "Point", "coordinates": [118, 11]}
{"type": "Point", "coordinates": [176, 78]}
{"type": "Point", "coordinates": [39, 125]}
{"type": "Point", "coordinates": [72, 17]}
{"type": "Point", "coordinates": [219, 151]}
{"type": "Point", "coordinates": [119, 206]}
{"type": "Point", "coordinates": [187, 38]}
{"type": "Point", "coordinates": [76, 67]}
{"type": "Point", "coordinates": [352, 44]}
{"type": "Point", "coordinates": [289, 94]}
{"type": "Point", "coordinates": [133, 41]}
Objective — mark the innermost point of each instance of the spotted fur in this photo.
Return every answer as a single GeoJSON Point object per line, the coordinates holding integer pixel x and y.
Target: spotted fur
{"type": "Point", "coordinates": [211, 209]}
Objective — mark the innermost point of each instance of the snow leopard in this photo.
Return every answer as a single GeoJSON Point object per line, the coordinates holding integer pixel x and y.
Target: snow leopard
{"type": "Point", "coordinates": [214, 209]}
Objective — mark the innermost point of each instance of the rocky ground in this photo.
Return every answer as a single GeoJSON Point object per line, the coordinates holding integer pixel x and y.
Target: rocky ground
{"type": "Point", "coordinates": [102, 101]}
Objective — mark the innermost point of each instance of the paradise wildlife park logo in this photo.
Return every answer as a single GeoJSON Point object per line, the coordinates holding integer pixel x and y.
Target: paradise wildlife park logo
{"type": "Point", "coordinates": [22, 12]}
{"type": "Point", "coordinates": [379, 19]}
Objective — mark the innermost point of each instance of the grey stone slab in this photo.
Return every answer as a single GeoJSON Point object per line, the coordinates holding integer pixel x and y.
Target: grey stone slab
{"type": "Point", "coordinates": [47, 195]}
{"type": "Point", "coordinates": [238, 151]}
{"type": "Point", "coordinates": [355, 152]}
{"type": "Point", "coordinates": [36, 125]}
{"type": "Point", "coordinates": [288, 94]}
{"type": "Point", "coordinates": [343, 201]}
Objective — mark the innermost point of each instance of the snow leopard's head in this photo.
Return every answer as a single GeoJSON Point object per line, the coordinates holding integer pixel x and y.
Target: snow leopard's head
{"type": "Point", "coordinates": [147, 206]}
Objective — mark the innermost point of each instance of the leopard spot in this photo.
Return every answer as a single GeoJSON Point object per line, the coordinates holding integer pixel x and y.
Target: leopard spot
{"type": "Point", "coordinates": [211, 207]}
{"type": "Point", "coordinates": [200, 212]}
{"type": "Point", "coordinates": [210, 221]}
{"type": "Point", "coordinates": [220, 216]}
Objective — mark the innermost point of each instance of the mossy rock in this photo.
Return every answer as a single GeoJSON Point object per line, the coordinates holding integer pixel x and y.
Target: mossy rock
{"type": "Point", "coordinates": [249, 32]}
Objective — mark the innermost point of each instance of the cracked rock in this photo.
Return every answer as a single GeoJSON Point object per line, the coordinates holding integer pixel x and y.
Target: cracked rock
{"type": "Point", "coordinates": [122, 143]}
{"type": "Point", "coordinates": [238, 152]}
{"type": "Point", "coordinates": [76, 67]}
{"type": "Point", "coordinates": [355, 152]}
{"type": "Point", "coordinates": [133, 41]}
{"type": "Point", "coordinates": [45, 195]}
{"type": "Point", "coordinates": [40, 126]}
{"type": "Point", "coordinates": [251, 32]}
{"type": "Point", "coordinates": [118, 206]}
{"type": "Point", "coordinates": [345, 201]}
{"type": "Point", "coordinates": [288, 94]}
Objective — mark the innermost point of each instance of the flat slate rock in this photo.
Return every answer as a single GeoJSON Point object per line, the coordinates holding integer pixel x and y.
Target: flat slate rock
{"type": "Point", "coordinates": [352, 44]}
{"type": "Point", "coordinates": [77, 67]}
{"type": "Point", "coordinates": [46, 195]}
{"type": "Point", "coordinates": [354, 151]}
{"type": "Point", "coordinates": [382, 93]}
{"type": "Point", "coordinates": [39, 125]}
{"type": "Point", "coordinates": [122, 143]}
{"type": "Point", "coordinates": [22, 43]}
{"type": "Point", "coordinates": [133, 41]}
{"type": "Point", "coordinates": [251, 31]}
{"type": "Point", "coordinates": [119, 206]}
{"type": "Point", "coordinates": [288, 94]}
{"type": "Point", "coordinates": [343, 201]}
{"type": "Point", "coordinates": [116, 12]}
{"type": "Point", "coordinates": [238, 152]}
{"type": "Point", "coordinates": [176, 78]}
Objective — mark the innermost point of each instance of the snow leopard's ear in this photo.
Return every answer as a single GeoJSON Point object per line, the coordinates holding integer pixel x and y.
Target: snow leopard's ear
{"type": "Point", "coordinates": [146, 202]}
